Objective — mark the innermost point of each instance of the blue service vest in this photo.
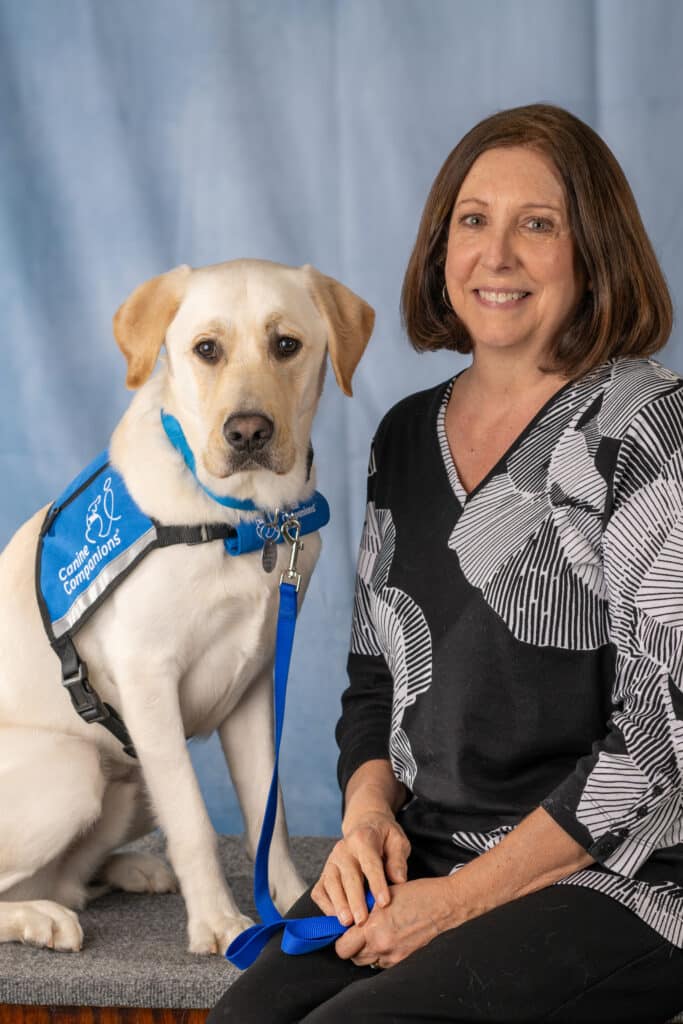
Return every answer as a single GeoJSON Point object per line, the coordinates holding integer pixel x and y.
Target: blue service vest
{"type": "Point", "coordinates": [93, 535]}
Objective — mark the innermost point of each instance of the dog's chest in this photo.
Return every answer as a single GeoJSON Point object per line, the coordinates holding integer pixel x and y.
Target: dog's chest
{"type": "Point", "coordinates": [193, 619]}
{"type": "Point", "coordinates": [228, 634]}
{"type": "Point", "coordinates": [217, 615]}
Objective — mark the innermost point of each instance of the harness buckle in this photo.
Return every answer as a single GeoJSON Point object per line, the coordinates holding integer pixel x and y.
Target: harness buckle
{"type": "Point", "coordinates": [84, 699]}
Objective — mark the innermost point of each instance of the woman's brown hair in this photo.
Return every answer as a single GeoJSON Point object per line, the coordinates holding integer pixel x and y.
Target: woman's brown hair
{"type": "Point", "coordinates": [626, 312]}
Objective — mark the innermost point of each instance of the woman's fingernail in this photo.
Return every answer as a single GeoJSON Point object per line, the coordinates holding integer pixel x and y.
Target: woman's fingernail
{"type": "Point", "coordinates": [345, 917]}
{"type": "Point", "coordinates": [383, 899]}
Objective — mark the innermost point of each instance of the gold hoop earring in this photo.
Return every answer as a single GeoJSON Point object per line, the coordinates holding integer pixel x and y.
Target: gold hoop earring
{"type": "Point", "coordinates": [444, 296]}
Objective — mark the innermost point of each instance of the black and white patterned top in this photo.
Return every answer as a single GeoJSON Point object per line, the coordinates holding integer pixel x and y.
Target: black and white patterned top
{"type": "Point", "coordinates": [523, 645]}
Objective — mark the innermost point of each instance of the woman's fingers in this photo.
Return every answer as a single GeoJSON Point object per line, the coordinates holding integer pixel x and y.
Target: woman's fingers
{"type": "Point", "coordinates": [341, 887]}
{"type": "Point", "coordinates": [343, 884]}
{"type": "Point", "coordinates": [331, 879]}
{"type": "Point", "coordinates": [353, 881]}
{"type": "Point", "coordinates": [350, 944]}
{"type": "Point", "coordinates": [397, 850]}
{"type": "Point", "coordinates": [368, 855]}
{"type": "Point", "coordinates": [373, 869]}
{"type": "Point", "coordinates": [321, 899]}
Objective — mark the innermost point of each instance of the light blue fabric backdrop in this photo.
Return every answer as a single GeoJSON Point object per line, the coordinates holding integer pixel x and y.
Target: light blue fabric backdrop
{"type": "Point", "coordinates": [140, 134]}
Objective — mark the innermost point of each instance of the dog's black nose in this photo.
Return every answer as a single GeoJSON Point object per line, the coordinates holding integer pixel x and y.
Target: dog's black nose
{"type": "Point", "coordinates": [248, 431]}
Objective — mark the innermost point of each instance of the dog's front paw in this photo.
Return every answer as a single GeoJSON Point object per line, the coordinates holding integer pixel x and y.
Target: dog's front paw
{"type": "Point", "coordinates": [214, 934]}
{"type": "Point", "coordinates": [138, 872]}
{"type": "Point", "coordinates": [41, 923]}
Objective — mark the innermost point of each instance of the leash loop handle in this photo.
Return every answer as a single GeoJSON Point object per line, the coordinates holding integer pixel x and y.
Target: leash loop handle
{"type": "Point", "coordinates": [300, 935]}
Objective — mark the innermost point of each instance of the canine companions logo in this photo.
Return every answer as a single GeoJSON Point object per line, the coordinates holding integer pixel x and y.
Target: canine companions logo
{"type": "Point", "coordinates": [94, 520]}
{"type": "Point", "coordinates": [100, 541]}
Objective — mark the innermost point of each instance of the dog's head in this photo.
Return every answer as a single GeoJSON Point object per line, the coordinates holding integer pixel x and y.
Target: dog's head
{"type": "Point", "coordinates": [246, 346]}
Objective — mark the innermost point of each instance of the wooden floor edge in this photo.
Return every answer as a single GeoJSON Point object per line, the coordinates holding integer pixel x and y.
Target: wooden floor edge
{"type": "Point", "coordinates": [25, 1014]}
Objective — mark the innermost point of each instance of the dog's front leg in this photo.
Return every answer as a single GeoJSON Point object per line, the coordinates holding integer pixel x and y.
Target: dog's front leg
{"type": "Point", "coordinates": [247, 741]}
{"type": "Point", "coordinates": [152, 714]}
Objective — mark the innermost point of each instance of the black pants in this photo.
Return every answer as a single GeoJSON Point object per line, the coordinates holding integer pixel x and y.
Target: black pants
{"type": "Point", "coordinates": [564, 954]}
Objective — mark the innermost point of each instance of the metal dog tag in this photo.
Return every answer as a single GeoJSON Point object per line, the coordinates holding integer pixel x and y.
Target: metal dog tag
{"type": "Point", "coordinates": [269, 532]}
{"type": "Point", "coordinates": [269, 555]}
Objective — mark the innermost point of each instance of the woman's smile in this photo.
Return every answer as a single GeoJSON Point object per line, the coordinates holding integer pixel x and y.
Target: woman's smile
{"type": "Point", "coordinates": [500, 299]}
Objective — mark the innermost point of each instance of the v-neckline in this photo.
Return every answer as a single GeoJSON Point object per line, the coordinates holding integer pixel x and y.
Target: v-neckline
{"type": "Point", "coordinates": [456, 483]}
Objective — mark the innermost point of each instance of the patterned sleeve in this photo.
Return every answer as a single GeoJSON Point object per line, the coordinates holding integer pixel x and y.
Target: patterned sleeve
{"type": "Point", "coordinates": [625, 800]}
{"type": "Point", "coordinates": [363, 729]}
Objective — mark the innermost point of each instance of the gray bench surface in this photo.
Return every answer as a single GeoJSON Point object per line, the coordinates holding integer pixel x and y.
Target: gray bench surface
{"type": "Point", "coordinates": [135, 946]}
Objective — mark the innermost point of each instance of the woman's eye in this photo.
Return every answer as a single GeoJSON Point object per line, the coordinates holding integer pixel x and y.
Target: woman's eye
{"type": "Point", "coordinates": [287, 346]}
{"type": "Point", "coordinates": [539, 224]}
{"type": "Point", "coordinates": [472, 220]}
{"type": "Point", "coordinates": [208, 350]}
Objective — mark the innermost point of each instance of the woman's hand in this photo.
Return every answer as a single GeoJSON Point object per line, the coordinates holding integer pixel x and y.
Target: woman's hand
{"type": "Point", "coordinates": [374, 847]}
{"type": "Point", "coordinates": [418, 912]}
{"type": "Point", "coordinates": [536, 853]}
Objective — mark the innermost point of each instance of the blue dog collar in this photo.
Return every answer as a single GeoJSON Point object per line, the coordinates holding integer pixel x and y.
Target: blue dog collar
{"type": "Point", "coordinates": [251, 534]}
{"type": "Point", "coordinates": [174, 432]}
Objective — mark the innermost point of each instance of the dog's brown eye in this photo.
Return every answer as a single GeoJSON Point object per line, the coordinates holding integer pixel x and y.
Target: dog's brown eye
{"type": "Point", "coordinates": [208, 350]}
{"type": "Point", "coordinates": [287, 346]}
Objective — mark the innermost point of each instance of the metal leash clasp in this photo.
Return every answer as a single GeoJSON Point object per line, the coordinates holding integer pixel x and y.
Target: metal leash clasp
{"type": "Point", "coordinates": [291, 531]}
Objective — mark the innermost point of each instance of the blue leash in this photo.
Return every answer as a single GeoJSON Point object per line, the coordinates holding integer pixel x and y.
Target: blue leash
{"type": "Point", "coordinates": [305, 934]}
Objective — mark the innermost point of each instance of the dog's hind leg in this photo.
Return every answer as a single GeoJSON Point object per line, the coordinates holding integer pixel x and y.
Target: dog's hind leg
{"type": "Point", "coordinates": [88, 856]}
{"type": "Point", "coordinates": [137, 870]}
{"type": "Point", "coordinates": [125, 816]}
{"type": "Point", "coordinates": [51, 790]}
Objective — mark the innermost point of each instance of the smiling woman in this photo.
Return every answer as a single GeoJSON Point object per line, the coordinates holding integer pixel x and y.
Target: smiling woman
{"type": "Point", "coordinates": [625, 308]}
{"type": "Point", "coordinates": [514, 282]}
{"type": "Point", "coordinates": [511, 270]}
{"type": "Point", "coordinates": [511, 738]}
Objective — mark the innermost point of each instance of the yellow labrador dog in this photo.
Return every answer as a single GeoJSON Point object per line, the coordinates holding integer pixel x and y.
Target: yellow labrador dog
{"type": "Point", "coordinates": [185, 645]}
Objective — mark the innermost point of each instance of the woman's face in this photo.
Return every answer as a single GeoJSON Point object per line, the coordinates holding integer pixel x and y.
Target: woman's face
{"type": "Point", "coordinates": [511, 267]}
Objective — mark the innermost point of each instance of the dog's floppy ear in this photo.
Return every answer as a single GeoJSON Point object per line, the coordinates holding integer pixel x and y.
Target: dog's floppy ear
{"type": "Point", "coordinates": [140, 324]}
{"type": "Point", "coordinates": [349, 323]}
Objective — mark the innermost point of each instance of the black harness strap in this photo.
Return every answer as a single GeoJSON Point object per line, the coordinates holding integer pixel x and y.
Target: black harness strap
{"type": "Point", "coordinates": [85, 699]}
{"type": "Point", "coordinates": [168, 535]}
